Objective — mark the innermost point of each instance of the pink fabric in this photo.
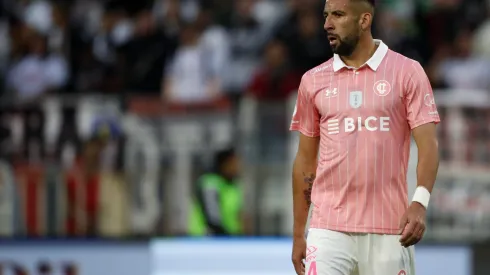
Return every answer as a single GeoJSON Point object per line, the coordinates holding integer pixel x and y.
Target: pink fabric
{"type": "Point", "coordinates": [364, 118]}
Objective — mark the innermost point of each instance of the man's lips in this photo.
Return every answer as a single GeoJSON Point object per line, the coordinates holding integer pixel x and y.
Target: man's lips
{"type": "Point", "coordinates": [332, 38]}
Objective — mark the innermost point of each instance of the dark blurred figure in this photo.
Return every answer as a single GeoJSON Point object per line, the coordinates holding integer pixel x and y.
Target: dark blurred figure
{"type": "Point", "coordinates": [461, 69]}
{"type": "Point", "coordinates": [247, 38]}
{"type": "Point", "coordinates": [271, 86]}
{"type": "Point", "coordinates": [308, 41]}
{"type": "Point", "coordinates": [218, 206]}
{"type": "Point", "coordinates": [302, 31]}
{"type": "Point", "coordinates": [95, 38]}
{"type": "Point", "coordinates": [276, 79]}
{"type": "Point", "coordinates": [146, 54]}
{"type": "Point", "coordinates": [437, 26]}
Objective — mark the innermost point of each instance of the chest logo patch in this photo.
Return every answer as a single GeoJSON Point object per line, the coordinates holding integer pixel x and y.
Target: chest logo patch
{"type": "Point", "coordinates": [382, 88]}
{"type": "Point", "coordinates": [355, 99]}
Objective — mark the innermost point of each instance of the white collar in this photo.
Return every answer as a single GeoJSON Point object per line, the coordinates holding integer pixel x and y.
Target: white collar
{"type": "Point", "coordinates": [373, 62]}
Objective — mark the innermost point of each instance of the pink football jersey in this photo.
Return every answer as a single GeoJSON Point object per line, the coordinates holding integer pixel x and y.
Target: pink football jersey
{"type": "Point", "coordinates": [364, 118]}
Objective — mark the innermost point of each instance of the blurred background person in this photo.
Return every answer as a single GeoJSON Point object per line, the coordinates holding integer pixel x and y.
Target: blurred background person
{"type": "Point", "coordinates": [191, 77]}
{"type": "Point", "coordinates": [96, 200]}
{"type": "Point", "coordinates": [271, 86]}
{"type": "Point", "coordinates": [247, 38]}
{"type": "Point", "coordinates": [218, 207]}
{"type": "Point", "coordinates": [37, 71]}
{"type": "Point", "coordinates": [144, 56]}
{"type": "Point", "coordinates": [304, 36]}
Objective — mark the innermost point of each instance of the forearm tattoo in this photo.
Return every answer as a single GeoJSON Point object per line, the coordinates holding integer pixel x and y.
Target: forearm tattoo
{"type": "Point", "coordinates": [308, 179]}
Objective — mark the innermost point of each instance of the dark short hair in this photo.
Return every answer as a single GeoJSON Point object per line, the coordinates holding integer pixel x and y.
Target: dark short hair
{"type": "Point", "coordinates": [222, 156]}
{"type": "Point", "coordinates": [370, 2]}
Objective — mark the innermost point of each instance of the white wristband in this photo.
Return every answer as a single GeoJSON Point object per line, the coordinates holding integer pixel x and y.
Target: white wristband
{"type": "Point", "coordinates": [422, 196]}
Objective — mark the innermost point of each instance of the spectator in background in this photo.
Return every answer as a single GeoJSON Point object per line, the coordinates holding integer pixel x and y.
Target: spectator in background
{"type": "Point", "coordinates": [218, 206]}
{"type": "Point", "coordinates": [87, 73]}
{"type": "Point", "coordinates": [481, 40]}
{"type": "Point", "coordinates": [462, 69]}
{"type": "Point", "coordinates": [271, 86]}
{"type": "Point", "coordinates": [145, 53]}
{"type": "Point", "coordinates": [96, 198]}
{"type": "Point", "coordinates": [287, 27]}
{"type": "Point", "coordinates": [37, 72]}
{"type": "Point", "coordinates": [247, 37]}
{"type": "Point", "coordinates": [49, 19]}
{"type": "Point", "coordinates": [116, 29]}
{"type": "Point", "coordinates": [268, 13]}
{"type": "Point", "coordinates": [169, 16]}
{"type": "Point", "coordinates": [307, 40]}
{"type": "Point", "coordinates": [174, 11]}
{"type": "Point", "coordinates": [276, 79]}
{"type": "Point", "coordinates": [215, 42]}
{"type": "Point", "coordinates": [191, 77]}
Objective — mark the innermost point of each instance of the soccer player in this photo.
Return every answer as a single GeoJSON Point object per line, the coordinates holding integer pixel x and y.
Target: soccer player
{"type": "Point", "coordinates": [357, 110]}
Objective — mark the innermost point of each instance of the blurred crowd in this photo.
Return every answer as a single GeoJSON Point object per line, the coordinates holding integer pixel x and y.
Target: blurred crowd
{"type": "Point", "coordinates": [196, 50]}
{"type": "Point", "coordinates": [191, 52]}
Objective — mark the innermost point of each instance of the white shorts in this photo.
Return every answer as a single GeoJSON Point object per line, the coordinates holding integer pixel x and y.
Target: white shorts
{"type": "Point", "coordinates": [337, 253]}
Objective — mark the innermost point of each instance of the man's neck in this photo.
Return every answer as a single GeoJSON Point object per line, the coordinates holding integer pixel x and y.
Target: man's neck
{"type": "Point", "coordinates": [364, 51]}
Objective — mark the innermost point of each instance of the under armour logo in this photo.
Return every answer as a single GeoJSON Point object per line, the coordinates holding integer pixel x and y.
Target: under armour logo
{"type": "Point", "coordinates": [331, 93]}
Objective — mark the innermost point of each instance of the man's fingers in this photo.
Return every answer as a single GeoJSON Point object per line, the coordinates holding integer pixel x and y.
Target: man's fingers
{"type": "Point", "coordinates": [299, 267]}
{"type": "Point", "coordinates": [407, 232]}
{"type": "Point", "coordinates": [418, 235]}
{"type": "Point", "coordinates": [403, 223]}
{"type": "Point", "coordinates": [412, 239]}
{"type": "Point", "coordinates": [413, 233]}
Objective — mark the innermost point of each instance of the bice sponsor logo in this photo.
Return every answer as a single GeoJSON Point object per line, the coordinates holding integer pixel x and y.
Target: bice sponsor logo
{"type": "Point", "coordinates": [349, 124]}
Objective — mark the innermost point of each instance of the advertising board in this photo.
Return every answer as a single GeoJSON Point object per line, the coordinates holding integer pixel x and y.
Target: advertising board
{"type": "Point", "coordinates": [272, 257]}
{"type": "Point", "coordinates": [73, 258]}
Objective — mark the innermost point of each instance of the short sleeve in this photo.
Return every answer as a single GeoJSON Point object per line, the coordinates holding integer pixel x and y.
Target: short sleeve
{"type": "Point", "coordinates": [306, 118]}
{"type": "Point", "coordinates": [419, 98]}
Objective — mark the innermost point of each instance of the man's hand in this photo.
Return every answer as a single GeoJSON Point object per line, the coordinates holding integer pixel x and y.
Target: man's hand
{"type": "Point", "coordinates": [412, 224]}
{"type": "Point", "coordinates": [299, 254]}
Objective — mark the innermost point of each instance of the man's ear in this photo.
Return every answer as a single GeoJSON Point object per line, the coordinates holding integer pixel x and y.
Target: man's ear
{"type": "Point", "coordinates": [365, 20]}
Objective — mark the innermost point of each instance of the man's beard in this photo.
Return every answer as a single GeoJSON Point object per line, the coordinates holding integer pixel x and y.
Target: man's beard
{"type": "Point", "coordinates": [346, 46]}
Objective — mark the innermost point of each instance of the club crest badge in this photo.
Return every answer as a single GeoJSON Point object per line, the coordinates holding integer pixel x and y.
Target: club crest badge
{"type": "Point", "coordinates": [382, 88]}
{"type": "Point", "coordinates": [355, 99]}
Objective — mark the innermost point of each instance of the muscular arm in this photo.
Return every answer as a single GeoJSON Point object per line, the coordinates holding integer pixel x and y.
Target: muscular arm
{"type": "Point", "coordinates": [304, 172]}
{"type": "Point", "coordinates": [428, 155]}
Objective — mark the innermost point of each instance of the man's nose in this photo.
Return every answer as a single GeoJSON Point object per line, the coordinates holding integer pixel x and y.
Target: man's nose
{"type": "Point", "coordinates": [328, 26]}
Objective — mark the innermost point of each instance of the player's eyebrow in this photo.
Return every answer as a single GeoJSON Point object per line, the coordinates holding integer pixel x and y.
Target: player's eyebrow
{"type": "Point", "coordinates": [337, 12]}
